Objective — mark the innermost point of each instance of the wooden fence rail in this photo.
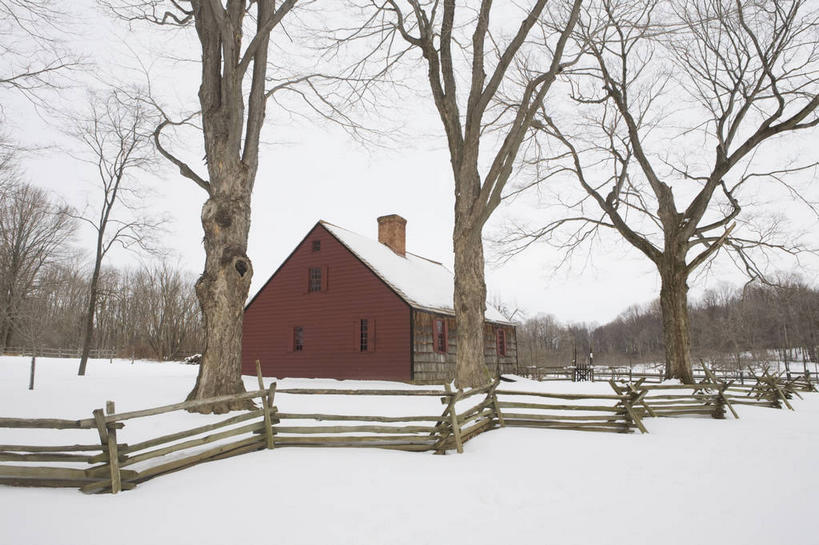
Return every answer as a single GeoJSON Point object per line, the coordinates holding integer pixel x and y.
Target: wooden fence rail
{"type": "Point", "coordinates": [527, 409]}
{"type": "Point", "coordinates": [806, 380]}
{"type": "Point", "coordinates": [48, 352]}
{"type": "Point", "coordinates": [710, 396]}
{"type": "Point", "coordinates": [116, 466]}
{"type": "Point", "coordinates": [103, 463]}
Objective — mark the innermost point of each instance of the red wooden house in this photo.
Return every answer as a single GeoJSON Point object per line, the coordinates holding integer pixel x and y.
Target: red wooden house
{"type": "Point", "coordinates": [346, 306]}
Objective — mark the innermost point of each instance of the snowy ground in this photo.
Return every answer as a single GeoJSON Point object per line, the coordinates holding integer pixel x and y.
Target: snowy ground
{"type": "Point", "coordinates": [689, 481]}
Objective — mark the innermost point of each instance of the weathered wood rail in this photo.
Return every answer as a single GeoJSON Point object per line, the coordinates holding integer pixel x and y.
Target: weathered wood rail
{"type": "Point", "coordinates": [103, 463]}
{"type": "Point", "coordinates": [110, 459]}
{"type": "Point", "coordinates": [805, 381]}
{"type": "Point", "coordinates": [710, 396]}
{"type": "Point", "coordinates": [660, 400]}
{"type": "Point", "coordinates": [48, 352]}
{"type": "Point", "coordinates": [116, 466]}
{"type": "Point", "coordinates": [588, 412]}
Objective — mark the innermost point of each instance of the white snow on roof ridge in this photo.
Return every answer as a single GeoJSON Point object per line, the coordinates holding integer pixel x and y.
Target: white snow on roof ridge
{"type": "Point", "coordinates": [423, 283]}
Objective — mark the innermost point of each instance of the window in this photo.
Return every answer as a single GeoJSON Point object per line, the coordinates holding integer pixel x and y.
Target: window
{"type": "Point", "coordinates": [314, 283]}
{"type": "Point", "coordinates": [501, 342]}
{"type": "Point", "coordinates": [439, 335]}
{"type": "Point", "coordinates": [364, 337]}
{"type": "Point", "coordinates": [316, 245]}
{"type": "Point", "coordinates": [298, 339]}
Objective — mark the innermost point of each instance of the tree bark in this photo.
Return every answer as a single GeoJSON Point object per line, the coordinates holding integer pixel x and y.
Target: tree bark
{"type": "Point", "coordinates": [676, 333]}
{"type": "Point", "coordinates": [89, 319]}
{"type": "Point", "coordinates": [470, 304]}
{"type": "Point", "coordinates": [7, 327]}
{"type": "Point", "coordinates": [222, 290]}
{"type": "Point", "coordinates": [223, 287]}
{"type": "Point", "coordinates": [9, 313]}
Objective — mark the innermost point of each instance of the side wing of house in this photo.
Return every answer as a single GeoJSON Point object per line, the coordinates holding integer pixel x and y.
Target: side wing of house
{"type": "Point", "coordinates": [435, 346]}
{"type": "Point", "coordinates": [324, 313]}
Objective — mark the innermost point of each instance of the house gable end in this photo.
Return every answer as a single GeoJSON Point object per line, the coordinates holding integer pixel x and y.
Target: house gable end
{"type": "Point", "coordinates": [281, 266]}
{"type": "Point", "coordinates": [303, 242]}
{"type": "Point", "coordinates": [326, 320]}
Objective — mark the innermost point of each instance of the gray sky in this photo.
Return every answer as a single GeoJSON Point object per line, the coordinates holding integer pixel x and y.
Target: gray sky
{"type": "Point", "coordinates": [311, 171]}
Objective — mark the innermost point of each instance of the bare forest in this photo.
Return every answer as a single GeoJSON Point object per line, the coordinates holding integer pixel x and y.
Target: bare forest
{"type": "Point", "coordinates": [730, 327]}
{"type": "Point", "coordinates": [143, 312]}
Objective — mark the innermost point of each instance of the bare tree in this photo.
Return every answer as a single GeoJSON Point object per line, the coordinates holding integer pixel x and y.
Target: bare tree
{"type": "Point", "coordinates": [235, 37]}
{"type": "Point", "coordinates": [173, 314]}
{"type": "Point", "coordinates": [32, 45]}
{"type": "Point", "coordinates": [148, 312]}
{"type": "Point", "coordinates": [745, 73]}
{"type": "Point", "coordinates": [33, 232]}
{"type": "Point", "coordinates": [9, 164]}
{"type": "Point", "coordinates": [116, 138]}
{"type": "Point", "coordinates": [57, 303]}
{"type": "Point", "coordinates": [506, 78]}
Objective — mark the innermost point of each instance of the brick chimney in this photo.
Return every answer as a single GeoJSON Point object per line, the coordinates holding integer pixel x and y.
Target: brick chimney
{"type": "Point", "coordinates": [392, 231]}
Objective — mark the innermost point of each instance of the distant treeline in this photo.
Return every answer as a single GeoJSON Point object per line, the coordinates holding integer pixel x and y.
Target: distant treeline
{"type": "Point", "coordinates": [144, 312]}
{"type": "Point", "coordinates": [728, 325]}
{"type": "Point", "coordinates": [152, 311]}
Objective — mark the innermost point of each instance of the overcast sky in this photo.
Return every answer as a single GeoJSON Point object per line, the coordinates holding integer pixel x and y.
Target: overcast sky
{"type": "Point", "coordinates": [311, 171]}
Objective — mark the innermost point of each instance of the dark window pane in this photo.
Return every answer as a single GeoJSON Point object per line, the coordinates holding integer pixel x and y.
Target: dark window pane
{"type": "Point", "coordinates": [365, 334]}
{"type": "Point", "coordinates": [501, 342]}
{"type": "Point", "coordinates": [315, 279]}
{"type": "Point", "coordinates": [316, 245]}
{"type": "Point", "coordinates": [298, 339]}
{"type": "Point", "coordinates": [440, 337]}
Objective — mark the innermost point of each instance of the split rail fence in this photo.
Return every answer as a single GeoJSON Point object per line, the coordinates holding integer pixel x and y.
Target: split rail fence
{"type": "Point", "coordinates": [48, 352]}
{"type": "Point", "coordinates": [804, 381]}
{"type": "Point", "coordinates": [583, 412]}
{"type": "Point", "coordinates": [110, 465]}
{"type": "Point", "coordinates": [104, 463]}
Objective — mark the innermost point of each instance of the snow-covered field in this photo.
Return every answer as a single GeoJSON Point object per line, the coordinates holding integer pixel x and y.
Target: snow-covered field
{"type": "Point", "coordinates": [689, 481]}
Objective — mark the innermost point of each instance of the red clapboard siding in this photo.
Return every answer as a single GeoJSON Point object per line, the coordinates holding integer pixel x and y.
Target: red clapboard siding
{"type": "Point", "coordinates": [350, 292]}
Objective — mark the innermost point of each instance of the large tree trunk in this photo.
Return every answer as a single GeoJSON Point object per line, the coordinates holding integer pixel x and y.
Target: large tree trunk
{"type": "Point", "coordinates": [676, 334]}
{"type": "Point", "coordinates": [223, 287]}
{"type": "Point", "coordinates": [470, 301]}
{"type": "Point", "coordinates": [222, 290]}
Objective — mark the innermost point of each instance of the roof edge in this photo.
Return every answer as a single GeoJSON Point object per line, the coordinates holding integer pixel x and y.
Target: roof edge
{"type": "Point", "coordinates": [450, 312]}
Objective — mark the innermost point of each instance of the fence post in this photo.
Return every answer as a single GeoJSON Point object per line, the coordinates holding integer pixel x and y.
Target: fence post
{"type": "Point", "coordinates": [494, 395]}
{"type": "Point", "coordinates": [266, 401]}
{"type": "Point", "coordinates": [453, 418]}
{"type": "Point", "coordinates": [108, 439]}
{"type": "Point", "coordinates": [629, 399]}
{"type": "Point", "coordinates": [113, 452]}
{"type": "Point", "coordinates": [31, 376]}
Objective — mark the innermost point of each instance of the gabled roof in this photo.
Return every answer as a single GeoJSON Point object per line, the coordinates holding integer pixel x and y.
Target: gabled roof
{"type": "Point", "coordinates": [424, 284]}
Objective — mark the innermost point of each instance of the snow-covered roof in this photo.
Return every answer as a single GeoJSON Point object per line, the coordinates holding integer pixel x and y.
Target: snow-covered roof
{"type": "Point", "coordinates": [423, 283]}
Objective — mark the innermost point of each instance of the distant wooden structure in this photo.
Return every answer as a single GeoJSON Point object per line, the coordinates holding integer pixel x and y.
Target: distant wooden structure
{"type": "Point", "coordinates": [582, 370]}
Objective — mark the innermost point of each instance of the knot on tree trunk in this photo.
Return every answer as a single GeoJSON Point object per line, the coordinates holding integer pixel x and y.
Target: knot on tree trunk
{"type": "Point", "coordinates": [236, 257]}
{"type": "Point", "coordinates": [223, 217]}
